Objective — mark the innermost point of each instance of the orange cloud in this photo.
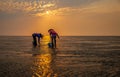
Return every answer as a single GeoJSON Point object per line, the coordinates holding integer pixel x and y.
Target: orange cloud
{"type": "Point", "coordinates": [103, 6]}
{"type": "Point", "coordinates": [48, 5]}
{"type": "Point", "coordinates": [39, 8]}
{"type": "Point", "coordinates": [25, 6]}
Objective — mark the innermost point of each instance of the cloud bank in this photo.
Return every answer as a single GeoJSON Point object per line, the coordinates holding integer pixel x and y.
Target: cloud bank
{"type": "Point", "coordinates": [74, 17]}
{"type": "Point", "coordinates": [58, 7]}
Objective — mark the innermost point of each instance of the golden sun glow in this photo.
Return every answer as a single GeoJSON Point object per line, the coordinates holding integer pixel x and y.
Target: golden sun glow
{"type": "Point", "coordinates": [47, 12]}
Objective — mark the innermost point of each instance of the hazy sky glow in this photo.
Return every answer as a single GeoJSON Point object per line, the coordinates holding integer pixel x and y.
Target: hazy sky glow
{"type": "Point", "coordinates": [68, 17]}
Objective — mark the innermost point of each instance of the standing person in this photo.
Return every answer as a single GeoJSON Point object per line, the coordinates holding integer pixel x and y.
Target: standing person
{"type": "Point", "coordinates": [53, 36]}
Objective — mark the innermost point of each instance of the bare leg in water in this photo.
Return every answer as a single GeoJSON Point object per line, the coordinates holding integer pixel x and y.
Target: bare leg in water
{"type": "Point", "coordinates": [55, 42]}
{"type": "Point", "coordinates": [39, 41]}
{"type": "Point", "coordinates": [53, 39]}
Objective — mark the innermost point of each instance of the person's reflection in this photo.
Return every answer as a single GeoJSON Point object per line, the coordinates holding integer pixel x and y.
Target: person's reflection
{"type": "Point", "coordinates": [43, 64]}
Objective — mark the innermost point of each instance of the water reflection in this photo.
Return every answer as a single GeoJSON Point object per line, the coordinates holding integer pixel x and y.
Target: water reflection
{"type": "Point", "coordinates": [43, 61]}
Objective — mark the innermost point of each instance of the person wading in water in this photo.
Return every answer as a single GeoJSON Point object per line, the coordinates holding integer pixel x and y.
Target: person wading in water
{"type": "Point", "coordinates": [53, 36]}
{"type": "Point", "coordinates": [35, 36]}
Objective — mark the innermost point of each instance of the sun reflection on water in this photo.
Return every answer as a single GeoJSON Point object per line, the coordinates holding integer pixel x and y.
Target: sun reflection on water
{"type": "Point", "coordinates": [42, 66]}
{"type": "Point", "coordinates": [43, 62]}
{"type": "Point", "coordinates": [46, 40]}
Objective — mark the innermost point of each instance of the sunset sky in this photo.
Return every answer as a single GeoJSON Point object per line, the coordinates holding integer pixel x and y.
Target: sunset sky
{"type": "Point", "coordinates": [67, 17]}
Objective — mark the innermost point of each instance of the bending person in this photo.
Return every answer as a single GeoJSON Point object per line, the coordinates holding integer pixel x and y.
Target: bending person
{"type": "Point", "coordinates": [39, 35]}
{"type": "Point", "coordinates": [53, 36]}
{"type": "Point", "coordinates": [35, 36]}
{"type": "Point", "coordinates": [34, 39]}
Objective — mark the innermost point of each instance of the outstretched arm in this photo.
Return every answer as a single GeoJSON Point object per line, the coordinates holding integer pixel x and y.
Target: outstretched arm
{"type": "Point", "coordinates": [57, 35]}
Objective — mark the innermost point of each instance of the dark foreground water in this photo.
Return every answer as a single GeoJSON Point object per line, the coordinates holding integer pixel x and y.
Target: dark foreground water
{"type": "Point", "coordinates": [74, 57]}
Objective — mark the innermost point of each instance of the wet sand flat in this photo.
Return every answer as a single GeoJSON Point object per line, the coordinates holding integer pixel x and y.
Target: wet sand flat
{"type": "Point", "coordinates": [81, 57]}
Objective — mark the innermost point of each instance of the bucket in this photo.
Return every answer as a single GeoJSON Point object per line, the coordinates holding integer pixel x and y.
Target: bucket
{"type": "Point", "coordinates": [50, 45]}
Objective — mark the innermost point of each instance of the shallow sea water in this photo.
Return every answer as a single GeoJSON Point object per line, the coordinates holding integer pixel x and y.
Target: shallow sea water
{"type": "Point", "coordinates": [80, 56]}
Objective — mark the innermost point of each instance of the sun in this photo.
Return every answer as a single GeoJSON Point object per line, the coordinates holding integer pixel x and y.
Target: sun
{"type": "Point", "coordinates": [47, 12]}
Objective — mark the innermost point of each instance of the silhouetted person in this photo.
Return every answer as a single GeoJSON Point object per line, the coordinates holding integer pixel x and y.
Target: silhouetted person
{"type": "Point", "coordinates": [34, 40]}
{"type": "Point", "coordinates": [35, 36]}
{"type": "Point", "coordinates": [39, 35]}
{"type": "Point", "coordinates": [53, 36]}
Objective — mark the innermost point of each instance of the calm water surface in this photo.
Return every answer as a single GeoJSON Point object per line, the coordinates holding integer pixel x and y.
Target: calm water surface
{"type": "Point", "coordinates": [74, 57]}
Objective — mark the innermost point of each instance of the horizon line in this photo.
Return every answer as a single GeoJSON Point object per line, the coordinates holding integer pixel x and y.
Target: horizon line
{"type": "Point", "coordinates": [48, 35]}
